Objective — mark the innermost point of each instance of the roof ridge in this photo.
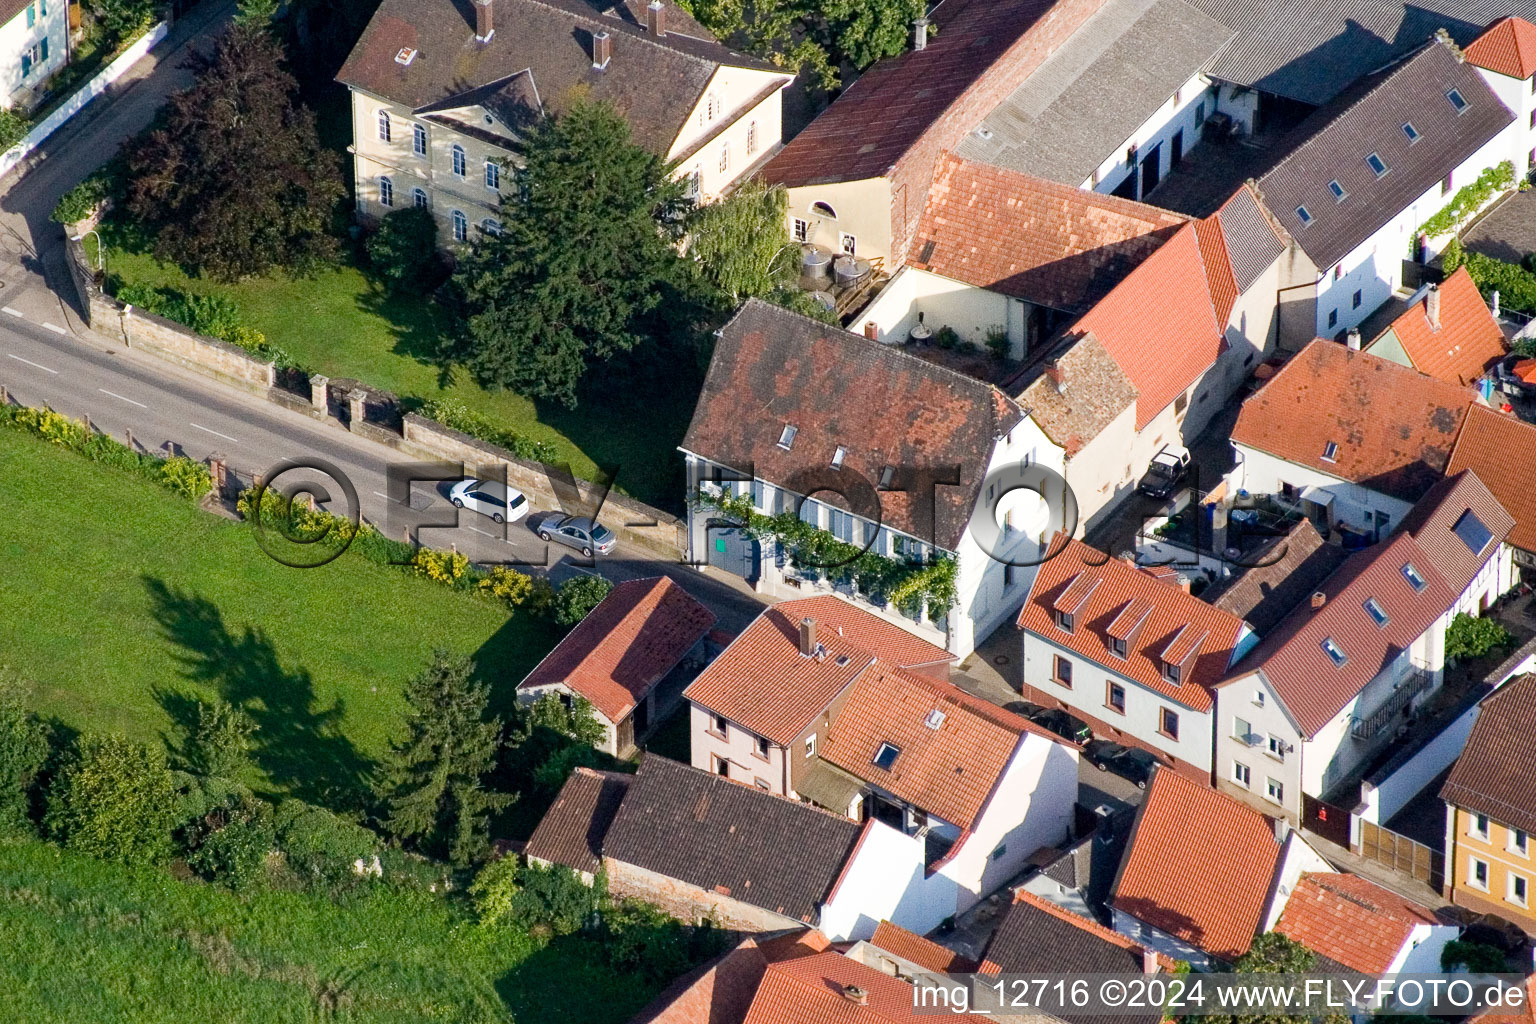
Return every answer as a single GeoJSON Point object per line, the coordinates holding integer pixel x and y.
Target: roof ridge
{"type": "Point", "coordinates": [640, 32]}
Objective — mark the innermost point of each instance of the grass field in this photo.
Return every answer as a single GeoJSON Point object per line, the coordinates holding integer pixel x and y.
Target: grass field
{"type": "Point", "coordinates": [123, 602]}
{"type": "Point", "coordinates": [91, 941]}
{"type": "Point", "coordinates": [340, 324]}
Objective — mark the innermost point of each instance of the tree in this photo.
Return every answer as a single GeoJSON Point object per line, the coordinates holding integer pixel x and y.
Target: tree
{"type": "Point", "coordinates": [404, 250]}
{"type": "Point", "coordinates": [741, 245]}
{"type": "Point", "coordinates": [433, 789]}
{"type": "Point", "coordinates": [220, 743]}
{"type": "Point", "coordinates": [121, 18]}
{"type": "Point", "coordinates": [1477, 957]}
{"type": "Point", "coordinates": [579, 595]}
{"type": "Point", "coordinates": [117, 800]}
{"type": "Point", "coordinates": [235, 182]}
{"type": "Point", "coordinates": [863, 31]}
{"type": "Point", "coordinates": [24, 749]}
{"type": "Point", "coordinates": [258, 13]}
{"type": "Point", "coordinates": [584, 262]}
{"type": "Point", "coordinates": [1273, 953]}
{"type": "Point", "coordinates": [1469, 636]}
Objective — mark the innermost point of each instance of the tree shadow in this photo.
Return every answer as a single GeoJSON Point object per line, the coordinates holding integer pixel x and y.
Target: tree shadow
{"type": "Point", "coordinates": [298, 744]}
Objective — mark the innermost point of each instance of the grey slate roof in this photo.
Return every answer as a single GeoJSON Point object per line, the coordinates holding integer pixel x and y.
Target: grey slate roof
{"type": "Point", "coordinates": [1310, 50]}
{"type": "Point", "coordinates": [655, 83]}
{"type": "Point", "coordinates": [572, 830]}
{"type": "Point", "coordinates": [1493, 774]}
{"type": "Point", "coordinates": [1102, 84]}
{"type": "Point", "coordinates": [1368, 119]}
{"type": "Point", "coordinates": [1252, 244]}
{"type": "Point", "coordinates": [769, 851]}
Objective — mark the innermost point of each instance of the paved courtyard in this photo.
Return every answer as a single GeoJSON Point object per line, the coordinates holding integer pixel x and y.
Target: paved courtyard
{"type": "Point", "coordinates": [1508, 231]}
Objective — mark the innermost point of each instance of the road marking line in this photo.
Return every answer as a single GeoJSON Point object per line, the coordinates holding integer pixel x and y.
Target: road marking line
{"type": "Point", "coordinates": [29, 362]}
{"type": "Point", "coordinates": [120, 398]}
{"type": "Point", "coordinates": [215, 433]}
{"type": "Point", "coordinates": [55, 328]}
{"type": "Point", "coordinates": [13, 312]}
{"type": "Point", "coordinates": [476, 529]}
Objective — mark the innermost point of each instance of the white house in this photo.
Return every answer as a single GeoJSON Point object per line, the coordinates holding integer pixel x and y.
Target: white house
{"type": "Point", "coordinates": [443, 93]}
{"type": "Point", "coordinates": [1360, 925]}
{"type": "Point", "coordinates": [909, 461]}
{"type": "Point", "coordinates": [1332, 683]}
{"type": "Point", "coordinates": [1377, 163]}
{"type": "Point", "coordinates": [1349, 438]}
{"type": "Point", "coordinates": [34, 44]}
{"type": "Point", "coordinates": [1505, 54]}
{"type": "Point", "coordinates": [1130, 653]}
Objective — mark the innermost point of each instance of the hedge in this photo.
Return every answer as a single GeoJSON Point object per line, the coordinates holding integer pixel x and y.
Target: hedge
{"type": "Point", "coordinates": [1516, 285]}
{"type": "Point", "coordinates": [179, 474]}
{"type": "Point", "coordinates": [458, 416]}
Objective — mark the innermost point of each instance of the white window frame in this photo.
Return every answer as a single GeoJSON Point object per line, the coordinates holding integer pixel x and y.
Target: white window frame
{"type": "Point", "coordinates": [1521, 849]}
{"type": "Point", "coordinates": [810, 745]}
{"type": "Point", "coordinates": [1274, 790]}
{"type": "Point", "coordinates": [847, 243]}
{"type": "Point", "coordinates": [1477, 826]}
{"type": "Point", "coordinates": [1242, 775]}
{"type": "Point", "coordinates": [386, 192]}
{"type": "Point", "coordinates": [386, 133]}
{"type": "Point", "coordinates": [491, 226]}
{"type": "Point", "coordinates": [419, 144]}
{"type": "Point", "coordinates": [460, 226]}
{"type": "Point", "coordinates": [1275, 747]}
{"type": "Point", "coordinates": [493, 175]}
{"type": "Point", "coordinates": [725, 156]}
{"type": "Point", "coordinates": [799, 230]}
{"type": "Point", "coordinates": [1509, 889]}
{"type": "Point", "coordinates": [420, 198]}
{"type": "Point", "coordinates": [751, 137]}
{"type": "Point", "coordinates": [1472, 865]}
{"type": "Point", "coordinates": [460, 161]}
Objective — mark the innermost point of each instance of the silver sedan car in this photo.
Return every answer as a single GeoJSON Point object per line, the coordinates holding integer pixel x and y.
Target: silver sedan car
{"type": "Point", "coordinates": [580, 532]}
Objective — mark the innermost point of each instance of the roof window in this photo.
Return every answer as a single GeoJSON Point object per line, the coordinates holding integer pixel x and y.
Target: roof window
{"type": "Point", "coordinates": [935, 719]}
{"type": "Point", "coordinates": [1377, 165]}
{"type": "Point", "coordinates": [1334, 651]}
{"type": "Point", "coordinates": [787, 436]}
{"type": "Point", "coordinates": [1305, 215]}
{"type": "Point", "coordinates": [1377, 613]}
{"type": "Point", "coordinates": [1410, 131]}
{"type": "Point", "coordinates": [1414, 577]}
{"type": "Point", "coordinates": [838, 456]}
{"type": "Point", "coordinates": [405, 56]}
{"type": "Point", "coordinates": [1457, 100]}
{"type": "Point", "coordinates": [886, 756]}
{"type": "Point", "coordinates": [1337, 190]}
{"type": "Point", "coordinates": [1472, 532]}
{"type": "Point", "coordinates": [1331, 452]}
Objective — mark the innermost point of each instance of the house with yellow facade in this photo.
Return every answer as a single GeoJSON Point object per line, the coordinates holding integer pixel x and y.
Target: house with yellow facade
{"type": "Point", "coordinates": [1490, 809]}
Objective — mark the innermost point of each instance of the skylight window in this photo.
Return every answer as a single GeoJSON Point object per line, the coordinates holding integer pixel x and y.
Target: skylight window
{"type": "Point", "coordinates": [1377, 613]}
{"type": "Point", "coordinates": [1331, 451]}
{"type": "Point", "coordinates": [1305, 215]}
{"type": "Point", "coordinates": [1334, 651]}
{"type": "Point", "coordinates": [1337, 190]}
{"type": "Point", "coordinates": [886, 756]}
{"type": "Point", "coordinates": [838, 456]}
{"type": "Point", "coordinates": [886, 473]}
{"type": "Point", "coordinates": [787, 438]}
{"type": "Point", "coordinates": [1457, 100]}
{"type": "Point", "coordinates": [1410, 131]}
{"type": "Point", "coordinates": [1472, 532]}
{"type": "Point", "coordinates": [1413, 576]}
{"type": "Point", "coordinates": [1377, 165]}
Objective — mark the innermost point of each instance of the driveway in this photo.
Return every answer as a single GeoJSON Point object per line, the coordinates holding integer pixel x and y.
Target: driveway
{"type": "Point", "coordinates": [1508, 231]}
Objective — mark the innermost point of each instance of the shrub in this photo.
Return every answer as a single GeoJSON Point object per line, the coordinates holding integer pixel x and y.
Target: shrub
{"type": "Point", "coordinates": [221, 740]}
{"type": "Point", "coordinates": [1469, 199]}
{"type": "Point", "coordinates": [577, 596]}
{"type": "Point", "coordinates": [235, 851]}
{"type": "Point", "coordinates": [116, 800]}
{"type": "Point", "coordinates": [946, 337]}
{"type": "Point", "coordinates": [518, 589]}
{"type": "Point", "coordinates": [187, 478]}
{"type": "Point", "coordinates": [83, 200]}
{"type": "Point", "coordinates": [458, 416]}
{"type": "Point", "coordinates": [1469, 637]}
{"type": "Point", "coordinates": [644, 939]}
{"type": "Point", "coordinates": [217, 316]}
{"type": "Point", "coordinates": [403, 251]}
{"type": "Point", "coordinates": [12, 127]}
{"type": "Point", "coordinates": [1516, 285]}
{"type": "Point", "coordinates": [997, 342]}
{"type": "Point", "coordinates": [181, 475]}
{"type": "Point", "coordinates": [320, 846]}
{"type": "Point", "coordinates": [448, 567]}
{"type": "Point", "coordinates": [24, 750]}
{"type": "Point", "coordinates": [532, 896]}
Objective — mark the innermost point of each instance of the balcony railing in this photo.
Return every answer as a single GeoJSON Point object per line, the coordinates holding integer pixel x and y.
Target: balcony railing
{"type": "Point", "coordinates": [1370, 726]}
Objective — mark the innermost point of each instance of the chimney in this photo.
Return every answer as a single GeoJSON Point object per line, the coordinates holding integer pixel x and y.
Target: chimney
{"type": "Point", "coordinates": [1432, 306]}
{"type": "Point", "coordinates": [1282, 830]}
{"type": "Point", "coordinates": [1149, 963]}
{"type": "Point", "coordinates": [1318, 599]}
{"type": "Point", "coordinates": [920, 34]}
{"type": "Point", "coordinates": [854, 994]}
{"type": "Point", "coordinates": [602, 50]}
{"type": "Point", "coordinates": [484, 28]}
{"type": "Point", "coordinates": [1352, 339]}
{"type": "Point", "coordinates": [1053, 372]}
{"type": "Point", "coordinates": [871, 330]}
{"type": "Point", "coordinates": [655, 19]}
{"type": "Point", "coordinates": [807, 637]}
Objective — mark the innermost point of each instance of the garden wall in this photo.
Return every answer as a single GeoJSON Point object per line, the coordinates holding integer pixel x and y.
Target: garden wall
{"type": "Point", "coordinates": [360, 408]}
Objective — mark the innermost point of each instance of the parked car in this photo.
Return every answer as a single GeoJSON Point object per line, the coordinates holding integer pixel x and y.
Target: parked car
{"type": "Point", "coordinates": [580, 532]}
{"type": "Point", "coordinates": [490, 497]}
{"type": "Point", "coordinates": [1066, 726]}
{"type": "Point", "coordinates": [1130, 763]}
{"type": "Point", "coordinates": [1167, 470]}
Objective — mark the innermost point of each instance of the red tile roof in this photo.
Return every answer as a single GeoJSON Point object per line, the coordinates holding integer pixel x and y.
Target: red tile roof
{"type": "Point", "coordinates": [811, 990]}
{"type": "Point", "coordinates": [882, 116]}
{"type": "Point", "coordinates": [1486, 441]}
{"type": "Point", "coordinates": [1351, 921]}
{"type": "Point", "coordinates": [763, 684]}
{"type": "Point", "coordinates": [925, 953]}
{"type": "Point", "coordinates": [1033, 239]}
{"type": "Point", "coordinates": [721, 991]}
{"type": "Point", "coordinates": [572, 830]}
{"type": "Point", "coordinates": [1219, 277]}
{"type": "Point", "coordinates": [1174, 619]}
{"type": "Point", "coordinates": [1507, 47]}
{"type": "Point", "coordinates": [634, 637]}
{"type": "Point", "coordinates": [1198, 866]}
{"type": "Point", "coordinates": [1433, 521]}
{"type": "Point", "coordinates": [949, 770]}
{"type": "Point", "coordinates": [1467, 342]}
{"type": "Point", "coordinates": [1393, 425]}
{"type": "Point", "coordinates": [1163, 355]}
{"type": "Point", "coordinates": [1525, 1014]}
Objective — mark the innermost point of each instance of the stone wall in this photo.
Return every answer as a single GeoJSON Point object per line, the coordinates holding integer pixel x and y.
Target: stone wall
{"type": "Point", "coordinates": [370, 413]}
{"type": "Point", "coordinates": [688, 902]}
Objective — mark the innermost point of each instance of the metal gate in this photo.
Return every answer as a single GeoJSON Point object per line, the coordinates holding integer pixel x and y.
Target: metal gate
{"type": "Point", "coordinates": [1402, 855]}
{"type": "Point", "coordinates": [731, 548]}
{"type": "Point", "coordinates": [1328, 821]}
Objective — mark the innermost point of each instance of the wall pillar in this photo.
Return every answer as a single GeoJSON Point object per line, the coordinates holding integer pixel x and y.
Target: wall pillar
{"type": "Point", "coordinates": [356, 398]}
{"type": "Point", "coordinates": [319, 395]}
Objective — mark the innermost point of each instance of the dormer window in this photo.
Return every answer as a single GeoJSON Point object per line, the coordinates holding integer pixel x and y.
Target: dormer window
{"type": "Point", "coordinates": [1334, 651]}
{"type": "Point", "coordinates": [1117, 647]}
{"type": "Point", "coordinates": [1066, 620]}
{"type": "Point", "coordinates": [1377, 613]}
{"type": "Point", "coordinates": [1171, 672]}
{"type": "Point", "coordinates": [1414, 577]}
{"type": "Point", "coordinates": [787, 436]}
{"type": "Point", "coordinates": [1331, 452]}
{"type": "Point", "coordinates": [838, 455]}
{"type": "Point", "coordinates": [1337, 190]}
{"type": "Point", "coordinates": [1410, 131]}
{"type": "Point", "coordinates": [1304, 215]}
{"type": "Point", "coordinates": [886, 756]}
{"type": "Point", "coordinates": [1377, 165]}
{"type": "Point", "coordinates": [1457, 100]}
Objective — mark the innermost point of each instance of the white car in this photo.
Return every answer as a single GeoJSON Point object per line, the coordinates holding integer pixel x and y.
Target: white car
{"type": "Point", "coordinates": [490, 497]}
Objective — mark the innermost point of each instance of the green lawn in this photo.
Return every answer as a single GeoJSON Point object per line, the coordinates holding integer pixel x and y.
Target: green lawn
{"type": "Point", "coordinates": [339, 324]}
{"type": "Point", "coordinates": [92, 941]}
{"type": "Point", "coordinates": [122, 602]}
